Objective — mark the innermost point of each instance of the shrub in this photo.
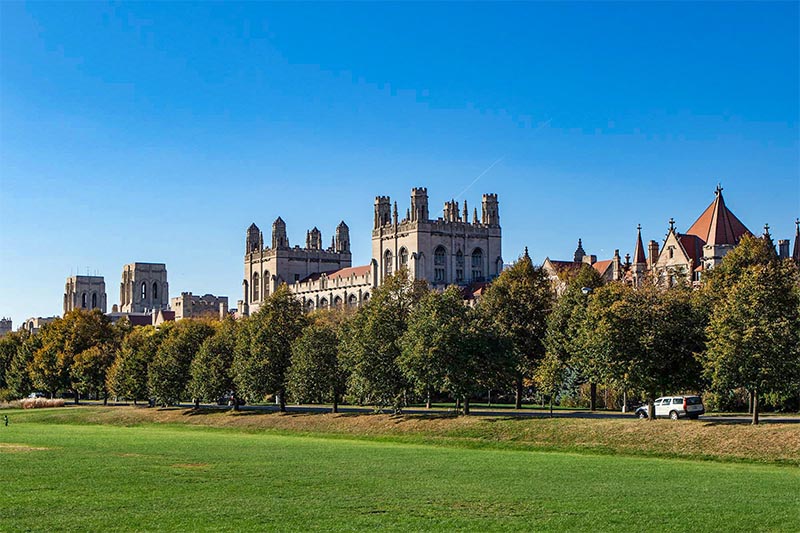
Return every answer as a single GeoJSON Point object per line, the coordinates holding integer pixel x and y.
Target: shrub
{"type": "Point", "coordinates": [35, 403]}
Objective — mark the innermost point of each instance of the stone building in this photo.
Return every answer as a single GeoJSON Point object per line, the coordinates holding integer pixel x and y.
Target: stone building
{"type": "Point", "coordinates": [34, 324]}
{"type": "Point", "coordinates": [188, 305]}
{"type": "Point", "coordinates": [85, 292]}
{"type": "Point", "coordinates": [144, 288]}
{"type": "Point", "coordinates": [5, 326]}
{"type": "Point", "coordinates": [443, 251]}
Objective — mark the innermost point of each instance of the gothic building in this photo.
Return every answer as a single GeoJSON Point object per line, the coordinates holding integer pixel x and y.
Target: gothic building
{"type": "Point", "coordinates": [85, 292]}
{"type": "Point", "coordinates": [144, 288]}
{"type": "Point", "coordinates": [443, 251]}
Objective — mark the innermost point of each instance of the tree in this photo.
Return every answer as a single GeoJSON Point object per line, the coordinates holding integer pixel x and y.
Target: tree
{"type": "Point", "coordinates": [549, 376]}
{"type": "Point", "coordinates": [316, 374]}
{"type": "Point", "coordinates": [564, 324]}
{"type": "Point", "coordinates": [517, 304]}
{"type": "Point", "coordinates": [127, 376]}
{"type": "Point", "coordinates": [754, 334]}
{"type": "Point", "coordinates": [371, 342]}
{"type": "Point", "coordinates": [18, 375]}
{"type": "Point", "coordinates": [9, 344]}
{"type": "Point", "coordinates": [211, 370]}
{"type": "Point", "coordinates": [89, 369]}
{"type": "Point", "coordinates": [264, 351]}
{"type": "Point", "coordinates": [168, 372]}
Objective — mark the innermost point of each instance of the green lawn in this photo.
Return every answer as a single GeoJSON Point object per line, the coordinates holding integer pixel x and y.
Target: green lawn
{"type": "Point", "coordinates": [74, 477]}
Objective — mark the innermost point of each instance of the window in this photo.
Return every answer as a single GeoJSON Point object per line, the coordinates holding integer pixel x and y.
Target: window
{"type": "Point", "coordinates": [155, 291]}
{"type": "Point", "coordinates": [337, 302]}
{"type": "Point", "coordinates": [657, 402]}
{"type": "Point", "coordinates": [309, 305]}
{"type": "Point", "coordinates": [352, 301]}
{"type": "Point", "coordinates": [387, 263]}
{"type": "Point", "coordinates": [477, 265]}
{"type": "Point", "coordinates": [265, 280]}
{"type": "Point", "coordinates": [459, 267]}
{"type": "Point", "coordinates": [671, 252]}
{"type": "Point", "coordinates": [94, 300]}
{"type": "Point", "coordinates": [366, 297]}
{"type": "Point", "coordinates": [144, 291]}
{"type": "Point", "coordinates": [440, 265]}
{"type": "Point", "coordinates": [323, 303]}
{"type": "Point", "coordinates": [403, 258]}
{"type": "Point", "coordinates": [677, 401]}
{"type": "Point", "coordinates": [83, 300]}
{"type": "Point", "coordinates": [255, 286]}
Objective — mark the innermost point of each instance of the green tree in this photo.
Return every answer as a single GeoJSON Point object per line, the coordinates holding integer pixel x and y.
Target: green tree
{"type": "Point", "coordinates": [549, 376]}
{"type": "Point", "coordinates": [264, 350]}
{"type": "Point", "coordinates": [127, 377]}
{"type": "Point", "coordinates": [316, 374]}
{"type": "Point", "coordinates": [211, 370]}
{"type": "Point", "coordinates": [9, 344]}
{"type": "Point", "coordinates": [18, 375]}
{"type": "Point", "coordinates": [517, 305]}
{"type": "Point", "coordinates": [168, 372]}
{"type": "Point", "coordinates": [754, 334]}
{"type": "Point", "coordinates": [370, 344]}
{"type": "Point", "coordinates": [89, 369]}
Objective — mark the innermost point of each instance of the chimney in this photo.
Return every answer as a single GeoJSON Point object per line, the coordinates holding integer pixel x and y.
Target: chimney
{"type": "Point", "coordinates": [652, 254]}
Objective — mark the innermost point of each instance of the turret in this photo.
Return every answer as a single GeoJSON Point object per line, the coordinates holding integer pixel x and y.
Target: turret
{"type": "Point", "coordinates": [783, 248]}
{"type": "Point", "coordinates": [314, 239]}
{"type": "Point", "coordinates": [383, 211]}
{"type": "Point", "coordinates": [579, 253]}
{"type": "Point", "coordinates": [419, 204]}
{"type": "Point", "coordinates": [652, 254]}
{"type": "Point", "coordinates": [279, 239]}
{"type": "Point", "coordinates": [342, 241]}
{"type": "Point", "coordinates": [254, 241]}
{"type": "Point", "coordinates": [490, 212]}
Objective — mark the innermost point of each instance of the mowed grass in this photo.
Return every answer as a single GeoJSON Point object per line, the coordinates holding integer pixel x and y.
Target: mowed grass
{"type": "Point", "coordinates": [158, 477]}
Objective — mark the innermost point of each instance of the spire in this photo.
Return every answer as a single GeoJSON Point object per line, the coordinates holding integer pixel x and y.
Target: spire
{"type": "Point", "coordinates": [579, 253]}
{"type": "Point", "coordinates": [671, 224]}
{"type": "Point", "coordinates": [526, 253]}
{"type": "Point", "coordinates": [796, 252]}
{"type": "Point", "coordinates": [638, 251]}
{"type": "Point", "coordinates": [394, 213]}
{"type": "Point", "coordinates": [717, 225]}
{"type": "Point", "coordinates": [474, 215]}
{"type": "Point", "coordinates": [466, 212]}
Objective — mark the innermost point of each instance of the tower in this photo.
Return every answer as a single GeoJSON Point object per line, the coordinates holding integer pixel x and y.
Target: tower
{"type": "Point", "coordinates": [796, 251]}
{"type": "Point", "coordinates": [85, 292]}
{"type": "Point", "coordinates": [579, 253]}
{"type": "Point", "coordinates": [490, 213]}
{"type": "Point", "coordinates": [279, 239]}
{"type": "Point", "coordinates": [419, 204]}
{"type": "Point", "coordinates": [314, 239]}
{"type": "Point", "coordinates": [144, 288]}
{"type": "Point", "coordinates": [383, 211]}
{"type": "Point", "coordinates": [255, 240]}
{"type": "Point", "coordinates": [639, 265]}
{"type": "Point", "coordinates": [342, 238]}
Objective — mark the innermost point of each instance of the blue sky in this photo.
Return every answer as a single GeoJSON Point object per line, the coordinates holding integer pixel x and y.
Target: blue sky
{"type": "Point", "coordinates": [159, 132]}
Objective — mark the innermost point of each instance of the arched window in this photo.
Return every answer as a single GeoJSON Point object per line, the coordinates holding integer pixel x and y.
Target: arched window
{"type": "Point", "coordinates": [387, 263]}
{"type": "Point", "coordinates": [94, 300]}
{"type": "Point", "coordinates": [477, 265]}
{"type": "Point", "coordinates": [365, 298]}
{"type": "Point", "coordinates": [155, 291]}
{"type": "Point", "coordinates": [459, 267]}
{"type": "Point", "coordinates": [266, 283]}
{"type": "Point", "coordinates": [323, 303]}
{"type": "Point", "coordinates": [352, 301]}
{"type": "Point", "coordinates": [83, 300]}
{"type": "Point", "coordinates": [440, 265]}
{"type": "Point", "coordinates": [309, 305]}
{"type": "Point", "coordinates": [144, 291]}
{"type": "Point", "coordinates": [403, 258]}
{"type": "Point", "coordinates": [254, 284]}
{"type": "Point", "coordinates": [337, 302]}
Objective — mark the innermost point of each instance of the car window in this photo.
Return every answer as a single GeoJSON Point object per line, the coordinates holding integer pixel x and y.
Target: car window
{"type": "Point", "coordinates": [692, 400]}
{"type": "Point", "coordinates": [657, 402]}
{"type": "Point", "coordinates": [677, 400]}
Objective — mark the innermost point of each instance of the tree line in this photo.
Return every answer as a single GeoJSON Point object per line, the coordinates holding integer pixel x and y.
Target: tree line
{"type": "Point", "coordinates": [739, 333]}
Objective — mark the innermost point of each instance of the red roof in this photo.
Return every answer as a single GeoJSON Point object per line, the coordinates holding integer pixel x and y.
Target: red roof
{"type": "Point", "coordinates": [341, 273]}
{"type": "Point", "coordinates": [717, 225]}
{"type": "Point", "coordinates": [638, 252]}
{"type": "Point", "coordinates": [693, 246]}
{"type": "Point", "coordinates": [602, 266]}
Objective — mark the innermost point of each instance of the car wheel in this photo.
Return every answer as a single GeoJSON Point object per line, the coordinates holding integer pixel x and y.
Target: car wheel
{"type": "Point", "coordinates": [673, 415]}
{"type": "Point", "coordinates": [642, 414]}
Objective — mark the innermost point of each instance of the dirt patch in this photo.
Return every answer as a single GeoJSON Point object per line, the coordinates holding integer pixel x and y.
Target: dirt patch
{"type": "Point", "coordinates": [19, 448]}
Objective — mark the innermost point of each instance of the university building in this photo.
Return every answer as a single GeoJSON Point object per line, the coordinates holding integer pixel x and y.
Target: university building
{"type": "Point", "coordinates": [447, 250]}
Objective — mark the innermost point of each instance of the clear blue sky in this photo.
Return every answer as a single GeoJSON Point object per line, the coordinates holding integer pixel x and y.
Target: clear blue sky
{"type": "Point", "coordinates": [159, 132]}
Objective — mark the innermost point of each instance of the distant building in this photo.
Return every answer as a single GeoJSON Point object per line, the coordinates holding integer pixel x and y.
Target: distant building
{"type": "Point", "coordinates": [187, 305]}
{"type": "Point", "coordinates": [5, 326]}
{"type": "Point", "coordinates": [144, 288]}
{"type": "Point", "coordinates": [34, 324]}
{"type": "Point", "coordinates": [85, 292]}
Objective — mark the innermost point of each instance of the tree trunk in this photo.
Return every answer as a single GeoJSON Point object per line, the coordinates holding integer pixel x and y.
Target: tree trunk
{"type": "Point", "coordinates": [105, 397]}
{"type": "Point", "coordinates": [428, 400]}
{"type": "Point", "coordinates": [335, 403]}
{"type": "Point", "coordinates": [489, 396]}
{"type": "Point", "coordinates": [458, 405]}
{"type": "Point", "coordinates": [235, 399]}
{"type": "Point", "coordinates": [282, 398]}
{"type": "Point", "coordinates": [551, 406]}
{"type": "Point", "coordinates": [593, 396]}
{"type": "Point", "coordinates": [466, 405]}
{"type": "Point", "coordinates": [651, 408]}
{"type": "Point", "coordinates": [624, 401]}
{"type": "Point", "coordinates": [134, 401]}
{"type": "Point", "coordinates": [77, 397]}
{"type": "Point", "coordinates": [755, 407]}
{"type": "Point", "coordinates": [518, 400]}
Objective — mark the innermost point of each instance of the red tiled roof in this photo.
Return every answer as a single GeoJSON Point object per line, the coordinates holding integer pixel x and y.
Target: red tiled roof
{"type": "Point", "coordinates": [602, 266]}
{"type": "Point", "coordinates": [693, 246]}
{"type": "Point", "coordinates": [341, 273]}
{"type": "Point", "coordinates": [638, 252]}
{"type": "Point", "coordinates": [717, 225]}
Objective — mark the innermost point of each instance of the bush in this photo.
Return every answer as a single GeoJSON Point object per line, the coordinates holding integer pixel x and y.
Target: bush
{"type": "Point", "coordinates": [36, 403]}
{"type": "Point", "coordinates": [7, 395]}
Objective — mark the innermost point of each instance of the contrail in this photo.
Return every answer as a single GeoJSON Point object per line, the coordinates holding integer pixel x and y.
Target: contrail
{"type": "Point", "coordinates": [479, 177]}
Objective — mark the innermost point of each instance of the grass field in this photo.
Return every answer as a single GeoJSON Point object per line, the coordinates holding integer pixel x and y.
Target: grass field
{"type": "Point", "coordinates": [60, 470]}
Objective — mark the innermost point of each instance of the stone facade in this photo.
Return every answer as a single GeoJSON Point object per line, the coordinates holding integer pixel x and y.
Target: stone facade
{"type": "Point", "coordinates": [85, 292]}
{"type": "Point", "coordinates": [144, 288]}
{"type": "Point", "coordinates": [33, 324]}
{"type": "Point", "coordinates": [187, 305]}
{"type": "Point", "coordinates": [447, 250]}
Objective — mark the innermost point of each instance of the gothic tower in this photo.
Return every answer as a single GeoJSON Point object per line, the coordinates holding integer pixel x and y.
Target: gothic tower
{"type": "Point", "coordinates": [342, 240]}
{"type": "Point", "coordinates": [279, 239]}
{"type": "Point", "coordinates": [254, 241]}
{"type": "Point", "coordinates": [490, 213]}
{"type": "Point", "coordinates": [419, 204]}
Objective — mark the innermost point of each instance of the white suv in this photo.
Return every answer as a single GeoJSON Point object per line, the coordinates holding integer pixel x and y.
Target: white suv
{"type": "Point", "coordinates": [675, 407]}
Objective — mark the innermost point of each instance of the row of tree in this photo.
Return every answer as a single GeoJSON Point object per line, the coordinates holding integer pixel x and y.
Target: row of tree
{"type": "Point", "coordinates": [409, 343]}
